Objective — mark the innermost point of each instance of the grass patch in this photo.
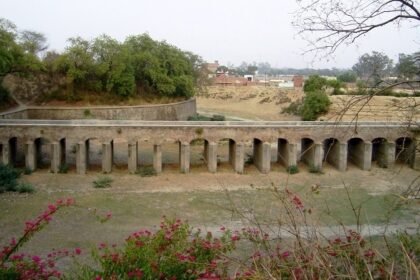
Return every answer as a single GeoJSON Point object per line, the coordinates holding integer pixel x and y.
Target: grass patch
{"type": "Point", "coordinates": [147, 171]}
{"type": "Point", "coordinates": [292, 169]}
{"type": "Point", "coordinates": [102, 182]}
{"type": "Point", "coordinates": [315, 169]}
{"type": "Point", "coordinates": [63, 169]}
{"type": "Point", "coordinates": [26, 188]}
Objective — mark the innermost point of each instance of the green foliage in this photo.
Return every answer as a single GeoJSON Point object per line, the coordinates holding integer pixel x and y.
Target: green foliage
{"type": "Point", "coordinates": [408, 66]}
{"type": "Point", "coordinates": [8, 178]}
{"type": "Point", "coordinates": [147, 171]}
{"type": "Point", "coordinates": [218, 118]}
{"type": "Point", "coordinates": [336, 85]}
{"type": "Point", "coordinates": [315, 83]}
{"type": "Point", "coordinates": [14, 56]}
{"type": "Point", "coordinates": [102, 182]}
{"type": "Point", "coordinates": [27, 171]}
{"type": "Point", "coordinates": [347, 77]}
{"type": "Point", "coordinates": [4, 95]}
{"type": "Point", "coordinates": [199, 117]}
{"type": "Point", "coordinates": [293, 108]}
{"type": "Point", "coordinates": [292, 169]}
{"type": "Point", "coordinates": [63, 168]}
{"type": "Point", "coordinates": [314, 104]}
{"type": "Point", "coordinates": [87, 113]}
{"type": "Point", "coordinates": [373, 67]}
{"type": "Point", "coordinates": [314, 169]}
{"type": "Point", "coordinates": [174, 251]}
{"type": "Point", "coordinates": [26, 188]}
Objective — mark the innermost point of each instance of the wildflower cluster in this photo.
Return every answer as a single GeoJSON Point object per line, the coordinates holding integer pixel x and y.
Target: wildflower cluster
{"type": "Point", "coordinates": [172, 252]}
{"type": "Point", "coordinates": [23, 266]}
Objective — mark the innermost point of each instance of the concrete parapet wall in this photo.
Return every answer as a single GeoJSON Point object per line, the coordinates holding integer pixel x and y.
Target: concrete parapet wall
{"type": "Point", "coordinates": [166, 112]}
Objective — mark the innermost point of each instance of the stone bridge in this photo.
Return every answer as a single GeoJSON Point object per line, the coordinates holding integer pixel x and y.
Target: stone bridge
{"type": "Point", "coordinates": [313, 143]}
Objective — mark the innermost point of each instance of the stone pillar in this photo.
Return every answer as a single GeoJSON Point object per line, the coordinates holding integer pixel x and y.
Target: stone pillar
{"type": "Point", "coordinates": [56, 157]}
{"type": "Point", "coordinates": [107, 155]}
{"type": "Point", "coordinates": [318, 155]}
{"type": "Point", "coordinates": [210, 154]}
{"type": "Point", "coordinates": [262, 156]}
{"type": "Point", "coordinates": [337, 155]}
{"type": "Point", "coordinates": [31, 155]}
{"type": "Point", "coordinates": [312, 154]}
{"type": "Point", "coordinates": [416, 154]}
{"type": "Point", "coordinates": [385, 155]}
{"type": "Point", "coordinates": [157, 158]}
{"type": "Point", "coordinates": [237, 156]}
{"type": "Point", "coordinates": [82, 150]}
{"type": "Point", "coordinates": [132, 157]}
{"type": "Point", "coordinates": [299, 151]}
{"type": "Point", "coordinates": [7, 154]}
{"type": "Point", "coordinates": [184, 157]}
{"type": "Point", "coordinates": [286, 153]}
{"type": "Point", "coordinates": [361, 155]}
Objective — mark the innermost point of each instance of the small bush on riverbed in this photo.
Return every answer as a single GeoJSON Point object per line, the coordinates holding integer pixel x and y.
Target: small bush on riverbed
{"type": "Point", "coordinates": [102, 182]}
{"type": "Point", "coordinates": [147, 171]}
{"type": "Point", "coordinates": [8, 178]}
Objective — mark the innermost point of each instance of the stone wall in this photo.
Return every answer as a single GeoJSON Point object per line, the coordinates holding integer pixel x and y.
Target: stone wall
{"type": "Point", "coordinates": [15, 114]}
{"type": "Point", "coordinates": [165, 112]}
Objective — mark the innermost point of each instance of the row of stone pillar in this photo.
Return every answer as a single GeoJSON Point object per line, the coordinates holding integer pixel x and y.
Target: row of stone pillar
{"type": "Point", "coordinates": [288, 154]}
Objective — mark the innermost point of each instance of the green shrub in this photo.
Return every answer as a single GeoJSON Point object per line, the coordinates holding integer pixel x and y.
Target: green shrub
{"type": "Point", "coordinates": [4, 95]}
{"type": "Point", "coordinates": [147, 171]}
{"type": "Point", "coordinates": [315, 169]}
{"type": "Point", "coordinates": [102, 182]}
{"type": "Point", "coordinates": [218, 118]}
{"type": "Point", "coordinates": [198, 117]}
{"type": "Point", "coordinates": [315, 83]}
{"type": "Point", "coordinates": [314, 104]}
{"type": "Point", "coordinates": [26, 188]}
{"type": "Point", "coordinates": [27, 171]}
{"type": "Point", "coordinates": [8, 178]}
{"type": "Point", "coordinates": [292, 169]}
{"type": "Point", "coordinates": [293, 108]}
{"type": "Point", "coordinates": [199, 130]}
{"type": "Point", "coordinates": [249, 159]}
{"type": "Point", "coordinates": [87, 113]}
{"type": "Point", "coordinates": [63, 168]}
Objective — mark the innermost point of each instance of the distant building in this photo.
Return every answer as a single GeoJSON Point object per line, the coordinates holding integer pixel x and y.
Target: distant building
{"type": "Point", "coordinates": [249, 78]}
{"type": "Point", "coordinates": [212, 68]}
{"type": "Point", "coordinates": [225, 80]}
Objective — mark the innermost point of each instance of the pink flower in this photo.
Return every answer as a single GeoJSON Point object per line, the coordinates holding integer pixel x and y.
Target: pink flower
{"type": "Point", "coordinates": [285, 254]}
{"type": "Point", "coordinates": [52, 207]}
{"type": "Point", "coordinates": [77, 251]}
{"type": "Point", "coordinates": [36, 259]}
{"type": "Point", "coordinates": [235, 238]}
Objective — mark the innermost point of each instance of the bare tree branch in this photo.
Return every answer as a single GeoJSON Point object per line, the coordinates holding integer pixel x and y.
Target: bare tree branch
{"type": "Point", "coordinates": [328, 24]}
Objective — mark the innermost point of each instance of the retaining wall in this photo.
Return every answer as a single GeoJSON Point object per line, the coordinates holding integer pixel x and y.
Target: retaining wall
{"type": "Point", "coordinates": [163, 112]}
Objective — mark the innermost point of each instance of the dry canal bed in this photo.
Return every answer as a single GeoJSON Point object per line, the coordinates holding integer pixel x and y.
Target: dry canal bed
{"type": "Point", "coordinates": [202, 198]}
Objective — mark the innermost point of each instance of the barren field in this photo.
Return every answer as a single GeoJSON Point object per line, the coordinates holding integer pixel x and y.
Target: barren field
{"type": "Point", "coordinates": [266, 103]}
{"type": "Point", "coordinates": [247, 102]}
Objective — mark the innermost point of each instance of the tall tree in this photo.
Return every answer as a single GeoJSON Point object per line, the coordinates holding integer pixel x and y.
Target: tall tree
{"type": "Point", "coordinates": [408, 66]}
{"type": "Point", "coordinates": [373, 67]}
{"type": "Point", "coordinates": [33, 42]}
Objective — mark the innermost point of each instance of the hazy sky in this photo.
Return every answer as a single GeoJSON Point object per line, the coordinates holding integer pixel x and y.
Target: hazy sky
{"type": "Point", "coordinates": [230, 31]}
